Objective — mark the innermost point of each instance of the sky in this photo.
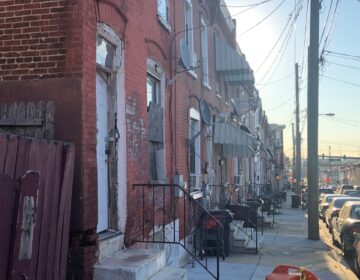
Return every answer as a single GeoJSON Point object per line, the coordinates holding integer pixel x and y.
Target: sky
{"type": "Point", "coordinates": [273, 41]}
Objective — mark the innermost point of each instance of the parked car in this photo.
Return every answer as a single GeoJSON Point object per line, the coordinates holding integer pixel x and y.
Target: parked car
{"type": "Point", "coordinates": [334, 208]}
{"type": "Point", "coordinates": [356, 254]}
{"type": "Point", "coordinates": [345, 187]}
{"type": "Point", "coordinates": [355, 193]}
{"type": "Point", "coordinates": [346, 225]}
{"type": "Point", "coordinates": [324, 204]}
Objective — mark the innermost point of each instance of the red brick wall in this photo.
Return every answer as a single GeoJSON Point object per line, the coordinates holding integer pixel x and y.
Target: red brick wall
{"type": "Point", "coordinates": [40, 39]}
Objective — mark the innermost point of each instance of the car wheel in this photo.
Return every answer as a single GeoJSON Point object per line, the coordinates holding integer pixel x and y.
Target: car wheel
{"type": "Point", "coordinates": [356, 263]}
{"type": "Point", "coordinates": [346, 252]}
{"type": "Point", "coordinates": [333, 239]}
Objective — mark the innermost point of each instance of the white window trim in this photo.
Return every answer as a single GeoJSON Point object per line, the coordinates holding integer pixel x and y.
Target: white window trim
{"type": "Point", "coordinates": [158, 72]}
{"type": "Point", "coordinates": [163, 21]}
{"type": "Point", "coordinates": [195, 115]}
{"type": "Point", "coordinates": [188, 3]}
{"type": "Point", "coordinates": [204, 53]}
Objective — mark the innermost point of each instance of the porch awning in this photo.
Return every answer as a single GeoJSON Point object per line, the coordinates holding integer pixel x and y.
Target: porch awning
{"type": "Point", "coordinates": [236, 142]}
{"type": "Point", "coordinates": [232, 64]}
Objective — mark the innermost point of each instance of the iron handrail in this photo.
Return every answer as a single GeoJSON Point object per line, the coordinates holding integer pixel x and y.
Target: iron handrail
{"type": "Point", "coordinates": [177, 194]}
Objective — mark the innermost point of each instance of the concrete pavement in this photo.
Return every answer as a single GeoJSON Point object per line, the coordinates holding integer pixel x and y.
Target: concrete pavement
{"type": "Point", "coordinates": [286, 243]}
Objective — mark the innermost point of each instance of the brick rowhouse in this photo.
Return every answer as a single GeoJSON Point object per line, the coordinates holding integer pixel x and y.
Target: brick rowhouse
{"type": "Point", "coordinates": [48, 52]}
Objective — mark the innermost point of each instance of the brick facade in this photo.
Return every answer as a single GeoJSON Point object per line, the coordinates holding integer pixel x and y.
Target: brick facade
{"type": "Point", "coordinates": [48, 52]}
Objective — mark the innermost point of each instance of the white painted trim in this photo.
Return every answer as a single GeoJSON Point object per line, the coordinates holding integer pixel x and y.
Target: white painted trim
{"type": "Point", "coordinates": [109, 34]}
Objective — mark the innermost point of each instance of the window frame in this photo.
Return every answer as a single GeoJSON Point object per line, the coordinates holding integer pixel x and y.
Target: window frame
{"type": "Point", "coordinates": [189, 30]}
{"type": "Point", "coordinates": [194, 115]}
{"type": "Point", "coordinates": [204, 40]}
{"type": "Point", "coordinates": [164, 19]}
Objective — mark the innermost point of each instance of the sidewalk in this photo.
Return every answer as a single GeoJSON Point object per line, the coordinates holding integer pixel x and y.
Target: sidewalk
{"type": "Point", "coordinates": [287, 243]}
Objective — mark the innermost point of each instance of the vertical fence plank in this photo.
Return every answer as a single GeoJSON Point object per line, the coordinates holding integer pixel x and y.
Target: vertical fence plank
{"type": "Point", "coordinates": [7, 193]}
{"type": "Point", "coordinates": [50, 153]}
{"type": "Point", "coordinates": [22, 157]}
{"type": "Point", "coordinates": [40, 114]}
{"type": "Point", "coordinates": [62, 213]}
{"type": "Point", "coordinates": [37, 161]}
{"type": "Point", "coordinates": [54, 211]}
{"type": "Point", "coordinates": [20, 115]}
{"type": "Point", "coordinates": [67, 185]}
{"type": "Point", "coordinates": [11, 153]}
{"type": "Point", "coordinates": [49, 121]}
{"type": "Point", "coordinates": [30, 114]}
{"type": "Point", "coordinates": [27, 225]}
{"type": "Point", "coordinates": [3, 148]}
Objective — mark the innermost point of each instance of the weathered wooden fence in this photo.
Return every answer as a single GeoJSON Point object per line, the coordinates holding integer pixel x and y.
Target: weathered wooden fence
{"type": "Point", "coordinates": [28, 119]}
{"type": "Point", "coordinates": [36, 179]}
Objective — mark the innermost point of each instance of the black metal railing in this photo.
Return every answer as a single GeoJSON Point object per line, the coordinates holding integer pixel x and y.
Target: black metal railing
{"type": "Point", "coordinates": [170, 215]}
{"type": "Point", "coordinates": [222, 195]}
{"type": "Point", "coordinates": [247, 213]}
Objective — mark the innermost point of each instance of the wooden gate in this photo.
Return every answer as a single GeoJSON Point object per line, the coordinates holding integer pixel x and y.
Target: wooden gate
{"type": "Point", "coordinates": [28, 119]}
{"type": "Point", "coordinates": [36, 179]}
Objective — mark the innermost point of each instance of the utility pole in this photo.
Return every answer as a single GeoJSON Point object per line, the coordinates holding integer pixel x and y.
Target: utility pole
{"type": "Point", "coordinates": [313, 111]}
{"type": "Point", "coordinates": [330, 169]}
{"type": "Point", "coordinates": [294, 153]}
{"type": "Point", "coordinates": [298, 136]}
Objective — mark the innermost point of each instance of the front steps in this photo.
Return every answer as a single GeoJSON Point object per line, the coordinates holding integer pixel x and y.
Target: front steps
{"type": "Point", "coordinates": [242, 241]}
{"type": "Point", "coordinates": [137, 264]}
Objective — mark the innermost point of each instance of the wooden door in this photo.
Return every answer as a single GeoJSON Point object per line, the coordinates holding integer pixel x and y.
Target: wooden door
{"type": "Point", "coordinates": [102, 158]}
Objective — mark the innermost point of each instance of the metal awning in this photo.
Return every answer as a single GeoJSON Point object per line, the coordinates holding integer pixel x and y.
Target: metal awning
{"type": "Point", "coordinates": [236, 142]}
{"type": "Point", "coordinates": [232, 64]}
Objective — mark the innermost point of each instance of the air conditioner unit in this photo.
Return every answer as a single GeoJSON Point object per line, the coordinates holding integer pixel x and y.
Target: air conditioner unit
{"type": "Point", "coordinates": [195, 182]}
{"type": "Point", "coordinates": [238, 180]}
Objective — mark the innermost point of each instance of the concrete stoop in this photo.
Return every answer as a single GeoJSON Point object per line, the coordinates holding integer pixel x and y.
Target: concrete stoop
{"type": "Point", "coordinates": [242, 243]}
{"type": "Point", "coordinates": [137, 264]}
{"type": "Point", "coordinates": [170, 273]}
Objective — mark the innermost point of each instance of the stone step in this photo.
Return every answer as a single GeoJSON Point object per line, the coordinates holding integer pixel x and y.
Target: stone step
{"type": "Point", "coordinates": [109, 244]}
{"type": "Point", "coordinates": [169, 272]}
{"type": "Point", "coordinates": [131, 264]}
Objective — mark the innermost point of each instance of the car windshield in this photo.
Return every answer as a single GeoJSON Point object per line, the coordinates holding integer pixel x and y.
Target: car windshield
{"type": "Point", "coordinates": [347, 187]}
{"type": "Point", "coordinates": [338, 203]}
{"type": "Point", "coordinates": [326, 191]}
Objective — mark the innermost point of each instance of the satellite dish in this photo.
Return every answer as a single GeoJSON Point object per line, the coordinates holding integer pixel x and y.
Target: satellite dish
{"type": "Point", "coordinates": [205, 112]}
{"type": "Point", "coordinates": [236, 108]}
{"type": "Point", "coordinates": [185, 57]}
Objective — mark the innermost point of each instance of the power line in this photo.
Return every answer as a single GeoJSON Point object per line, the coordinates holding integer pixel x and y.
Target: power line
{"type": "Point", "coordinates": [342, 81]}
{"type": "Point", "coordinates": [273, 11]}
{"type": "Point", "coordinates": [326, 22]}
{"type": "Point", "coordinates": [282, 104]}
{"type": "Point", "coordinates": [343, 65]}
{"type": "Point", "coordinates": [304, 45]}
{"type": "Point", "coordinates": [343, 54]}
{"type": "Point", "coordinates": [278, 80]}
{"type": "Point", "coordinates": [285, 43]}
{"type": "Point", "coordinates": [279, 38]}
{"type": "Point", "coordinates": [245, 6]}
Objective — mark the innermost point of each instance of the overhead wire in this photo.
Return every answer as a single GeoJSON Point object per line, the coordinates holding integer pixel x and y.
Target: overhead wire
{"type": "Point", "coordinates": [278, 40]}
{"type": "Point", "coordinates": [303, 61]}
{"type": "Point", "coordinates": [341, 81]}
{"type": "Point", "coordinates": [343, 65]}
{"type": "Point", "coordinates": [246, 6]}
{"type": "Point", "coordinates": [284, 44]}
{"type": "Point", "coordinates": [266, 17]}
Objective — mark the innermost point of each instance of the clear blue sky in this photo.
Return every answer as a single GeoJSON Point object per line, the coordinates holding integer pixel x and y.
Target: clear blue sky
{"type": "Point", "coordinates": [276, 79]}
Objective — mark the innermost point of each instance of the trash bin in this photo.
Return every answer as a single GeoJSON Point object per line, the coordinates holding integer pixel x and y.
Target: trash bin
{"type": "Point", "coordinates": [228, 218]}
{"type": "Point", "coordinates": [295, 201]}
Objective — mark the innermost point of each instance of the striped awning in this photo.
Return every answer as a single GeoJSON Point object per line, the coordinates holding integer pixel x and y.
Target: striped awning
{"type": "Point", "coordinates": [236, 142]}
{"type": "Point", "coordinates": [232, 64]}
